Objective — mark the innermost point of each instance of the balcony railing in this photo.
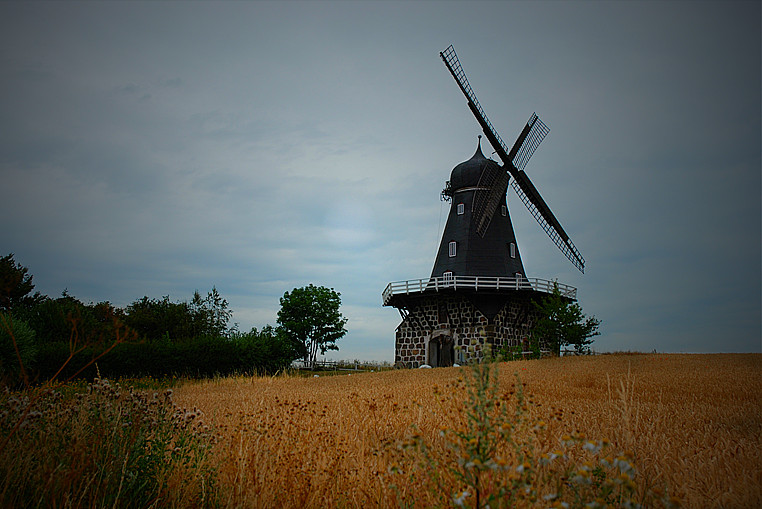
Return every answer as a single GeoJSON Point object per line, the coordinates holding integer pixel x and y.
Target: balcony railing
{"type": "Point", "coordinates": [474, 283]}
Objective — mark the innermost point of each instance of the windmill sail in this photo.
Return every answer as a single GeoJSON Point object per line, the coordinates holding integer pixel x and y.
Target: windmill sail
{"type": "Point", "coordinates": [528, 141]}
{"type": "Point", "coordinates": [531, 136]}
{"type": "Point", "coordinates": [495, 180]}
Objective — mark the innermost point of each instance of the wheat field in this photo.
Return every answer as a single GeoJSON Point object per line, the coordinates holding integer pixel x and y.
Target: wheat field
{"type": "Point", "coordinates": [693, 424]}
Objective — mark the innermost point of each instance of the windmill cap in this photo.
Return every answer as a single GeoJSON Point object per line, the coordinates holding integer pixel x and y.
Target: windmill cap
{"type": "Point", "coordinates": [467, 173]}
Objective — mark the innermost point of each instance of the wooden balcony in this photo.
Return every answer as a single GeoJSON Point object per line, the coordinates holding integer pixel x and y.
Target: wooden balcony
{"type": "Point", "coordinates": [473, 284]}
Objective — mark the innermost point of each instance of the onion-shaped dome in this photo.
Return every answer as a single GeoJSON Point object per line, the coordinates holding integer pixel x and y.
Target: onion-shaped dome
{"type": "Point", "coordinates": [468, 173]}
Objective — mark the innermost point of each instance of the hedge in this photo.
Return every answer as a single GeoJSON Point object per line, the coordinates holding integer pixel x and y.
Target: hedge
{"type": "Point", "coordinates": [199, 357]}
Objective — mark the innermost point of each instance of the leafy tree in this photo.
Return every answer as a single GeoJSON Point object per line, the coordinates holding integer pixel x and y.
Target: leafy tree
{"type": "Point", "coordinates": [161, 318]}
{"type": "Point", "coordinates": [16, 285]}
{"type": "Point", "coordinates": [311, 320]}
{"type": "Point", "coordinates": [57, 319]}
{"type": "Point", "coordinates": [210, 315]}
{"type": "Point", "coordinates": [562, 324]}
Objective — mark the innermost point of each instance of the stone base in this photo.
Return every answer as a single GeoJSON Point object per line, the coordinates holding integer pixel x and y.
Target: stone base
{"type": "Point", "coordinates": [443, 329]}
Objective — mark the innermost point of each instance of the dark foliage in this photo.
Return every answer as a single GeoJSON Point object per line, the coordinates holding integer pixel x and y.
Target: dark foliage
{"type": "Point", "coordinates": [16, 285]}
{"type": "Point", "coordinates": [155, 319]}
{"type": "Point", "coordinates": [562, 324]}
{"type": "Point", "coordinates": [311, 320]}
{"type": "Point", "coordinates": [154, 337]}
{"type": "Point", "coordinates": [256, 352]}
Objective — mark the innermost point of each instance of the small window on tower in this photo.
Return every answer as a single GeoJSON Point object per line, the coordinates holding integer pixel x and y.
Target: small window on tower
{"type": "Point", "coordinates": [447, 278]}
{"type": "Point", "coordinates": [504, 210]}
{"type": "Point", "coordinates": [461, 208]}
{"type": "Point", "coordinates": [453, 248]}
{"type": "Point", "coordinates": [513, 250]}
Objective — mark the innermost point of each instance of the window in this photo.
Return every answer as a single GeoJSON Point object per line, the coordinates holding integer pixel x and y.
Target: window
{"type": "Point", "coordinates": [518, 276]}
{"type": "Point", "coordinates": [447, 278]}
{"type": "Point", "coordinates": [513, 250]}
{"type": "Point", "coordinates": [461, 209]}
{"type": "Point", "coordinates": [504, 210]}
{"type": "Point", "coordinates": [453, 248]}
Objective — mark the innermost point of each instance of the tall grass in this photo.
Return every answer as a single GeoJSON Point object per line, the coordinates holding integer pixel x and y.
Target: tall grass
{"type": "Point", "coordinates": [107, 447]}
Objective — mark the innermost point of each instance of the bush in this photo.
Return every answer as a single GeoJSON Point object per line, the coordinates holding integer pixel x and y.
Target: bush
{"type": "Point", "coordinates": [15, 334]}
{"type": "Point", "coordinates": [108, 447]}
{"type": "Point", "coordinates": [254, 352]}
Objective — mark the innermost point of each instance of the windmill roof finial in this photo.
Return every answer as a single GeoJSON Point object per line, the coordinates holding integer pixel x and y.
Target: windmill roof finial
{"type": "Point", "coordinates": [478, 152]}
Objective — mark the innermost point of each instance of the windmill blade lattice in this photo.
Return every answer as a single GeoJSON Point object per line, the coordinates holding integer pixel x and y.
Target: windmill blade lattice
{"type": "Point", "coordinates": [556, 233]}
{"type": "Point", "coordinates": [537, 132]}
{"type": "Point", "coordinates": [453, 64]}
{"type": "Point", "coordinates": [495, 179]}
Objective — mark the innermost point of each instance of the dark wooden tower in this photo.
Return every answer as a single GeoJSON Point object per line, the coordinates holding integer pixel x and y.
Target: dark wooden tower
{"type": "Point", "coordinates": [478, 296]}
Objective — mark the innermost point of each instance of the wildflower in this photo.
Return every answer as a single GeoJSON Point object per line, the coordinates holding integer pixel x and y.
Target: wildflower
{"type": "Point", "coordinates": [460, 498]}
{"type": "Point", "coordinates": [623, 464]}
{"type": "Point", "coordinates": [607, 462]}
{"type": "Point", "coordinates": [581, 477]}
{"type": "Point", "coordinates": [592, 446]}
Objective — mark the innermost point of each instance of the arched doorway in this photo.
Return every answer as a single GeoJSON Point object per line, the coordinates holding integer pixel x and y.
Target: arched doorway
{"type": "Point", "coordinates": [441, 351]}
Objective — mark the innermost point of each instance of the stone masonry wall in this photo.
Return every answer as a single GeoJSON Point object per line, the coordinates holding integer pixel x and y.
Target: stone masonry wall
{"type": "Point", "coordinates": [456, 317]}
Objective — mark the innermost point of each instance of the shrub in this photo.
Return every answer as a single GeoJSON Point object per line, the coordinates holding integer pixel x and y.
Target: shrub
{"type": "Point", "coordinates": [107, 447]}
{"type": "Point", "coordinates": [495, 456]}
{"type": "Point", "coordinates": [18, 348]}
{"type": "Point", "coordinates": [254, 352]}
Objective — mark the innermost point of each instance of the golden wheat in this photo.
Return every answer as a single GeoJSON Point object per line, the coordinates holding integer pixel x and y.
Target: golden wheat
{"type": "Point", "coordinates": [692, 422]}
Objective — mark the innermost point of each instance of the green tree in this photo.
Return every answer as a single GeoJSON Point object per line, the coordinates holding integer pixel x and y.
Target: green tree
{"type": "Point", "coordinates": [210, 315]}
{"type": "Point", "coordinates": [156, 319]}
{"type": "Point", "coordinates": [311, 320]}
{"type": "Point", "coordinates": [16, 285]}
{"type": "Point", "coordinates": [562, 324]}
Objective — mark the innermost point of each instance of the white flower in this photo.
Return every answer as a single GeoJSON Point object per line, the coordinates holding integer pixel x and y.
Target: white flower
{"type": "Point", "coordinates": [592, 446]}
{"type": "Point", "coordinates": [460, 498]}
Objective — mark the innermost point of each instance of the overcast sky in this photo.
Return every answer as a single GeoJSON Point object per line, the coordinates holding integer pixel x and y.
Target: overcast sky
{"type": "Point", "coordinates": [159, 148]}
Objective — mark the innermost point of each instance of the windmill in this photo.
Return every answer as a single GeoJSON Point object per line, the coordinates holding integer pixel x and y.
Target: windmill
{"type": "Point", "coordinates": [478, 293]}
